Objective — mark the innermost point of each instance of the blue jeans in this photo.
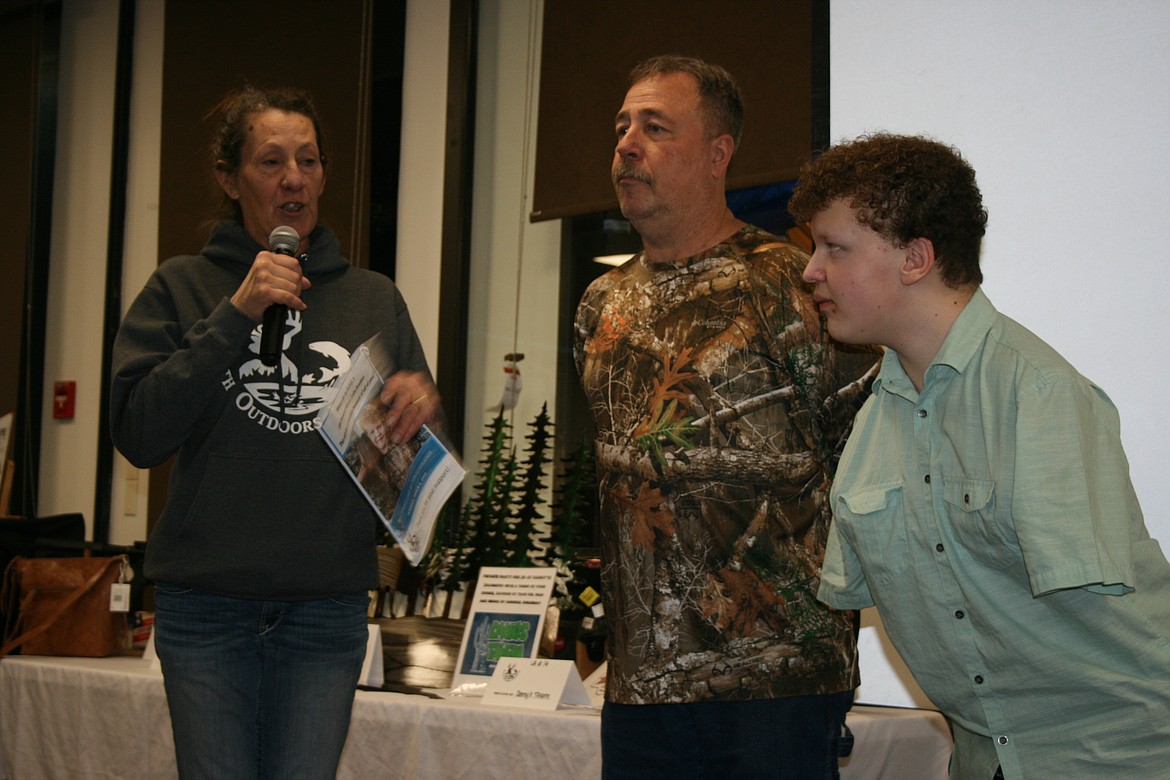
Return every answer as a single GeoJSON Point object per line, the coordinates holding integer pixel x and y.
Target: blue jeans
{"type": "Point", "coordinates": [790, 738]}
{"type": "Point", "coordinates": [259, 689]}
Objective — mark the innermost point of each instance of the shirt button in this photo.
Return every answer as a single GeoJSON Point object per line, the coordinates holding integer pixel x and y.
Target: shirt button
{"type": "Point", "coordinates": [939, 547]}
{"type": "Point", "coordinates": [926, 479]}
{"type": "Point", "coordinates": [978, 679]}
{"type": "Point", "coordinates": [1003, 740]}
{"type": "Point", "coordinates": [922, 413]}
{"type": "Point", "coordinates": [959, 614]}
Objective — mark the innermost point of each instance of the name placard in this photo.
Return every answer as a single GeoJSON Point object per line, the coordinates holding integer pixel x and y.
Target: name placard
{"type": "Point", "coordinates": [536, 684]}
{"type": "Point", "coordinates": [595, 685]}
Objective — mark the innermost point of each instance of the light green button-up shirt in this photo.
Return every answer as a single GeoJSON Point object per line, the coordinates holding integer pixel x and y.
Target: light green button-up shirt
{"type": "Point", "coordinates": [992, 521]}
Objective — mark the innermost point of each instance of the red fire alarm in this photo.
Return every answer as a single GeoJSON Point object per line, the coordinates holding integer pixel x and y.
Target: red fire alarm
{"type": "Point", "coordinates": [64, 395]}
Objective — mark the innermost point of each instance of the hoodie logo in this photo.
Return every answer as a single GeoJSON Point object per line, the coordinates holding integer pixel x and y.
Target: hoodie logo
{"type": "Point", "coordinates": [287, 397]}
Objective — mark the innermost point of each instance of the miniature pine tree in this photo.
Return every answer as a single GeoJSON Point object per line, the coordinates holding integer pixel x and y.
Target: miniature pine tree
{"type": "Point", "coordinates": [523, 529]}
{"type": "Point", "coordinates": [484, 505]}
{"type": "Point", "coordinates": [454, 567]}
{"type": "Point", "coordinates": [574, 497]}
{"type": "Point", "coordinates": [498, 541]}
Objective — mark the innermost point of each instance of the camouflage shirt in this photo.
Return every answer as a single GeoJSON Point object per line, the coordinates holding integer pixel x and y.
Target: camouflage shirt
{"type": "Point", "coordinates": [721, 407]}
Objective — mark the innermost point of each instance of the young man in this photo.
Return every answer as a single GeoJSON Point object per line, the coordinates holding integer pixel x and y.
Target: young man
{"type": "Point", "coordinates": [721, 406]}
{"type": "Point", "coordinates": [983, 500]}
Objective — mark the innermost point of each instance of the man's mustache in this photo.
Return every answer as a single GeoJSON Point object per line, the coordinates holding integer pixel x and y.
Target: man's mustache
{"type": "Point", "coordinates": [628, 171]}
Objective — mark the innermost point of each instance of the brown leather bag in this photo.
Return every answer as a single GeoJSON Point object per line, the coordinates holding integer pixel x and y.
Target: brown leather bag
{"type": "Point", "coordinates": [61, 606]}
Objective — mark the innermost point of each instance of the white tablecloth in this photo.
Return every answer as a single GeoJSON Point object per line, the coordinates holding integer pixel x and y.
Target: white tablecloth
{"type": "Point", "coordinates": [77, 718]}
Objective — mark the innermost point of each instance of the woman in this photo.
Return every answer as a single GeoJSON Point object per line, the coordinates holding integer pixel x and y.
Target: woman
{"type": "Point", "coordinates": [264, 554]}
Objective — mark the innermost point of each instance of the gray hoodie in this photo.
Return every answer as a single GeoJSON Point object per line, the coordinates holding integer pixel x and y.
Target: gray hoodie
{"type": "Point", "coordinates": [258, 507]}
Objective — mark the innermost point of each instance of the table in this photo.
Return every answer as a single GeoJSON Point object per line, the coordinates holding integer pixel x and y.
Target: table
{"type": "Point", "coordinates": [80, 718]}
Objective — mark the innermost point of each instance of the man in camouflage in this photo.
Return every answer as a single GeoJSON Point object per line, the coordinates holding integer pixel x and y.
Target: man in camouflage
{"type": "Point", "coordinates": [721, 408]}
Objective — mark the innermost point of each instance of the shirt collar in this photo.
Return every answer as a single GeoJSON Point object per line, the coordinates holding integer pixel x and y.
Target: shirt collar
{"type": "Point", "coordinates": [967, 334]}
{"type": "Point", "coordinates": [960, 346]}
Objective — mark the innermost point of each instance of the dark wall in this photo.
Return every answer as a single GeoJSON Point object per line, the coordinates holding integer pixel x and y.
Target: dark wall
{"type": "Point", "coordinates": [214, 46]}
{"type": "Point", "coordinates": [766, 45]}
{"type": "Point", "coordinates": [18, 60]}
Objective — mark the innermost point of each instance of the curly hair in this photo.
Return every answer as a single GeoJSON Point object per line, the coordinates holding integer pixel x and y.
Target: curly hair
{"type": "Point", "coordinates": [903, 188]}
{"type": "Point", "coordinates": [231, 130]}
{"type": "Point", "coordinates": [720, 96]}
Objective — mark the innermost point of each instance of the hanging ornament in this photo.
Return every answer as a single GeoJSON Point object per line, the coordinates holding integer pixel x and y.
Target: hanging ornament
{"type": "Point", "coordinates": [512, 381]}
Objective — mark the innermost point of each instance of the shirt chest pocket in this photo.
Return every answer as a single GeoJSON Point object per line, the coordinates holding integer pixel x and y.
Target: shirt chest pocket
{"type": "Point", "coordinates": [969, 506]}
{"type": "Point", "coordinates": [874, 521]}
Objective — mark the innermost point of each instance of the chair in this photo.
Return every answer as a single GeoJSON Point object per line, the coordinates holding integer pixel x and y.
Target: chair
{"type": "Point", "coordinates": [390, 562]}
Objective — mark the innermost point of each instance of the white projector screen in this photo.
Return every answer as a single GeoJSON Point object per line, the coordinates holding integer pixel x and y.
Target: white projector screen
{"type": "Point", "coordinates": [1063, 109]}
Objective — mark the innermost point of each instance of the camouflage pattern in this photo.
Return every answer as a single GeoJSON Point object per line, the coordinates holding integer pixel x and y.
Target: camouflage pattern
{"type": "Point", "coordinates": [721, 407]}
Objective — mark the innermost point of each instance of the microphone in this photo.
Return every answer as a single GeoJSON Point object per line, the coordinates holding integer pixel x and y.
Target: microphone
{"type": "Point", "coordinates": [283, 241]}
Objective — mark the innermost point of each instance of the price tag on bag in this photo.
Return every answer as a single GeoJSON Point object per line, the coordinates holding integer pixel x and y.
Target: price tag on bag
{"type": "Point", "coordinates": [120, 597]}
